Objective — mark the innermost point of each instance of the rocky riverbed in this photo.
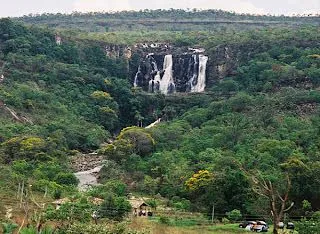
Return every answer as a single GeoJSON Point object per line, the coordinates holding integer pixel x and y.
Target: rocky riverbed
{"type": "Point", "coordinates": [87, 178]}
{"type": "Point", "coordinates": [84, 162]}
{"type": "Point", "coordinates": [87, 167]}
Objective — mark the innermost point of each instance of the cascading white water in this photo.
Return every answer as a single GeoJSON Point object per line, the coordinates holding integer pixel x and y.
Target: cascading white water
{"type": "Point", "coordinates": [155, 67]}
{"type": "Point", "coordinates": [202, 73]}
{"type": "Point", "coordinates": [157, 81]}
{"type": "Point", "coordinates": [167, 83]}
{"type": "Point", "coordinates": [150, 88]}
{"type": "Point", "coordinates": [195, 72]}
{"type": "Point", "coordinates": [201, 82]}
{"type": "Point", "coordinates": [160, 79]}
{"type": "Point", "coordinates": [135, 82]}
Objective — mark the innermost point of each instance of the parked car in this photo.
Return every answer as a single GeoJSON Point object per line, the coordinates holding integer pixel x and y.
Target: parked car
{"type": "Point", "coordinates": [290, 225]}
{"type": "Point", "coordinates": [261, 226]}
{"type": "Point", "coordinates": [256, 226]}
{"type": "Point", "coordinates": [244, 224]}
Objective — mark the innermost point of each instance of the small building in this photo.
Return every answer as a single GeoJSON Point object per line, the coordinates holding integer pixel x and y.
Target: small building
{"type": "Point", "coordinates": [140, 208]}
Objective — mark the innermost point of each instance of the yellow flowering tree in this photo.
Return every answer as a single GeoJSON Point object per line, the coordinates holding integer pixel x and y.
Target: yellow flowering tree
{"type": "Point", "coordinates": [199, 180]}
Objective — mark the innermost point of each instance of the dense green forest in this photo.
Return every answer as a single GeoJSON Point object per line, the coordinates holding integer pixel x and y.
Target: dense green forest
{"type": "Point", "coordinates": [252, 136]}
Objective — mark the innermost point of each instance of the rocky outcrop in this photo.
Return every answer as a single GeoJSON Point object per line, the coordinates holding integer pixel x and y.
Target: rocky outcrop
{"type": "Point", "coordinates": [118, 51]}
{"type": "Point", "coordinates": [84, 162]}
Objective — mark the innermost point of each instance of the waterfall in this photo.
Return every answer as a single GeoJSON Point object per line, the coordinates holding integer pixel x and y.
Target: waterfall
{"type": "Point", "coordinates": [201, 79]}
{"type": "Point", "coordinates": [189, 73]}
{"type": "Point", "coordinates": [154, 83]}
{"type": "Point", "coordinates": [135, 83]}
{"type": "Point", "coordinates": [157, 81]}
{"type": "Point", "coordinates": [167, 85]}
{"type": "Point", "coordinates": [202, 73]}
{"type": "Point", "coordinates": [193, 66]}
{"type": "Point", "coordinates": [151, 86]}
{"type": "Point", "coordinates": [154, 65]}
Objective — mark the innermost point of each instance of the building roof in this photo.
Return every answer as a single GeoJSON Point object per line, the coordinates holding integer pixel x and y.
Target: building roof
{"type": "Point", "coordinates": [136, 203]}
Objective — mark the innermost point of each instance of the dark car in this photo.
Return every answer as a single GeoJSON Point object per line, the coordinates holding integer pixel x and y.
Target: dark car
{"type": "Point", "coordinates": [290, 226]}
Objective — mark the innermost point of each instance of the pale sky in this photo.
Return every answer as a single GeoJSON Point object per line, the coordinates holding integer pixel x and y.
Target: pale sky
{"type": "Point", "coordinates": [286, 7]}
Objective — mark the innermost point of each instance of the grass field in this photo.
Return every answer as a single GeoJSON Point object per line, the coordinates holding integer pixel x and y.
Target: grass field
{"type": "Point", "coordinates": [153, 226]}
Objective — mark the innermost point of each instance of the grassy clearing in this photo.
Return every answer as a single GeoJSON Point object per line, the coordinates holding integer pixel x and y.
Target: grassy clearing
{"type": "Point", "coordinates": [153, 226]}
{"type": "Point", "coordinates": [187, 226]}
{"type": "Point", "coordinates": [226, 229]}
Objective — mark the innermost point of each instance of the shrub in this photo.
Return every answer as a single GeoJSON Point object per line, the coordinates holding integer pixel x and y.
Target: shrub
{"type": "Point", "coordinates": [73, 211]}
{"type": "Point", "coordinates": [234, 215]}
{"type": "Point", "coordinates": [165, 220]}
{"type": "Point", "coordinates": [141, 140]}
{"type": "Point", "coordinates": [116, 187]}
{"type": "Point", "coordinates": [66, 178]}
{"type": "Point", "coordinates": [183, 204]}
{"type": "Point", "coordinates": [110, 170]}
{"type": "Point", "coordinates": [152, 203]}
{"type": "Point", "coordinates": [57, 193]}
{"type": "Point", "coordinates": [33, 230]}
{"type": "Point", "coordinates": [308, 226]}
{"type": "Point", "coordinates": [225, 221]}
{"type": "Point", "coordinates": [115, 208]}
{"type": "Point", "coordinates": [316, 216]}
{"type": "Point", "coordinates": [46, 185]}
{"type": "Point", "coordinates": [8, 228]}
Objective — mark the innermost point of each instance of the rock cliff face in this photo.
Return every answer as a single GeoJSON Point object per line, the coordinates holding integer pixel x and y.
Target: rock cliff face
{"type": "Point", "coordinates": [166, 69]}
{"type": "Point", "coordinates": [172, 73]}
{"type": "Point", "coordinates": [161, 67]}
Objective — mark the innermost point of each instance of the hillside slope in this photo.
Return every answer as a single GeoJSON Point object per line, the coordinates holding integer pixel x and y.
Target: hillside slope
{"type": "Point", "coordinates": [262, 117]}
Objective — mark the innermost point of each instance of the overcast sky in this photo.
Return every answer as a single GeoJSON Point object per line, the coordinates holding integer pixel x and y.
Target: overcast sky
{"type": "Point", "coordinates": [287, 7]}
